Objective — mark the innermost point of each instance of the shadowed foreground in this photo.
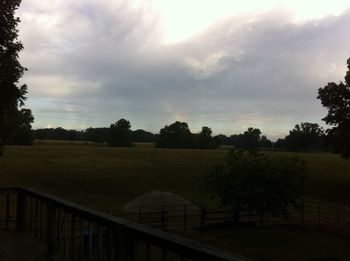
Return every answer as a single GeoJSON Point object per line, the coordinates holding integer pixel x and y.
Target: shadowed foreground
{"type": "Point", "coordinates": [15, 247]}
{"type": "Point", "coordinates": [68, 231]}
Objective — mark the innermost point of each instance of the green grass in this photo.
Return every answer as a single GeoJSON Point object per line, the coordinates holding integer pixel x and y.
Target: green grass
{"type": "Point", "coordinates": [104, 177]}
{"type": "Point", "coordinates": [107, 178]}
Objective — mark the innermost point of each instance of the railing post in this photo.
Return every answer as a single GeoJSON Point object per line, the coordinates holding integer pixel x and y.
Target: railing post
{"type": "Point", "coordinates": [21, 212]}
{"type": "Point", "coordinates": [185, 217]}
{"type": "Point", "coordinates": [164, 219]}
{"type": "Point", "coordinates": [7, 212]}
{"type": "Point", "coordinates": [338, 217]}
{"type": "Point", "coordinates": [302, 209]}
{"type": "Point", "coordinates": [203, 216]}
{"type": "Point", "coordinates": [51, 221]}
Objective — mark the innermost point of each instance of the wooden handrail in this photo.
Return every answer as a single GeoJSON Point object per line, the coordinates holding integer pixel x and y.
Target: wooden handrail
{"type": "Point", "coordinates": [181, 246]}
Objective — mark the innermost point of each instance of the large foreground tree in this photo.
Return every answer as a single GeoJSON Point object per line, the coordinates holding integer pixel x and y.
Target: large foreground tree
{"type": "Point", "coordinates": [336, 98]}
{"type": "Point", "coordinates": [12, 93]}
{"type": "Point", "coordinates": [255, 181]}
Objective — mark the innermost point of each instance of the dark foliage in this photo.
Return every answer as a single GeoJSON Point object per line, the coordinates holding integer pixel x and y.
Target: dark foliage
{"type": "Point", "coordinates": [12, 94]}
{"type": "Point", "coordinates": [98, 135]}
{"type": "Point", "coordinates": [250, 140]}
{"type": "Point", "coordinates": [222, 140]}
{"type": "Point", "coordinates": [252, 180]}
{"type": "Point", "coordinates": [336, 98]}
{"type": "Point", "coordinates": [143, 136]}
{"type": "Point", "coordinates": [305, 137]}
{"type": "Point", "coordinates": [176, 135]}
{"type": "Point", "coordinates": [204, 140]}
{"type": "Point", "coordinates": [280, 144]}
{"type": "Point", "coordinates": [120, 134]}
{"type": "Point", "coordinates": [58, 134]}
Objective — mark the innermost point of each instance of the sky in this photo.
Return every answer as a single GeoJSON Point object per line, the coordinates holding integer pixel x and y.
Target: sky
{"type": "Point", "coordinates": [226, 64]}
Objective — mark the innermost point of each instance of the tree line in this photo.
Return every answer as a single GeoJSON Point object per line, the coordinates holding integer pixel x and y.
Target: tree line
{"type": "Point", "coordinates": [304, 137]}
{"type": "Point", "coordinates": [175, 135]}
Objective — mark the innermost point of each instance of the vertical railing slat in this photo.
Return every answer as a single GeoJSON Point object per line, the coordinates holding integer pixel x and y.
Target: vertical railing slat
{"type": "Point", "coordinates": [7, 213]}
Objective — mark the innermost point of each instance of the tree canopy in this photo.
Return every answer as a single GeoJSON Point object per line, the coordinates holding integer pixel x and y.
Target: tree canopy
{"type": "Point", "coordinates": [120, 134]}
{"type": "Point", "coordinates": [304, 137]}
{"type": "Point", "coordinates": [336, 98]}
{"type": "Point", "coordinates": [252, 180]}
{"type": "Point", "coordinates": [175, 135]}
{"type": "Point", "coordinates": [12, 93]}
{"type": "Point", "coordinates": [250, 140]}
{"type": "Point", "coordinates": [204, 140]}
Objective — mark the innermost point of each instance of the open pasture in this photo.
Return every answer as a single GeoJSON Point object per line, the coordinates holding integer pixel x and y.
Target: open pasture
{"type": "Point", "coordinates": [107, 178]}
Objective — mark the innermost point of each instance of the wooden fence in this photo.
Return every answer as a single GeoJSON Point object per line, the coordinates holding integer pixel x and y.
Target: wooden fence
{"type": "Point", "coordinates": [73, 232]}
{"type": "Point", "coordinates": [312, 213]}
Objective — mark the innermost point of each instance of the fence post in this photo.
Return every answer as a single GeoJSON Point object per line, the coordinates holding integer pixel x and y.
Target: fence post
{"type": "Point", "coordinates": [21, 213]}
{"type": "Point", "coordinates": [338, 217]}
{"type": "Point", "coordinates": [185, 217]}
{"type": "Point", "coordinates": [140, 216]}
{"type": "Point", "coordinates": [319, 213]}
{"type": "Point", "coordinates": [51, 221]}
{"type": "Point", "coordinates": [7, 213]}
{"type": "Point", "coordinates": [302, 212]}
{"type": "Point", "coordinates": [203, 216]}
{"type": "Point", "coordinates": [163, 221]}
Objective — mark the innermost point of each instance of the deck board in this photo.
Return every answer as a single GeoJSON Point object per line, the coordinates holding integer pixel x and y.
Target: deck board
{"type": "Point", "coordinates": [15, 247]}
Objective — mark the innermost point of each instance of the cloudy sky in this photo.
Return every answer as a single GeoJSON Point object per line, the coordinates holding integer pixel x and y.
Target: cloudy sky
{"type": "Point", "coordinates": [226, 64]}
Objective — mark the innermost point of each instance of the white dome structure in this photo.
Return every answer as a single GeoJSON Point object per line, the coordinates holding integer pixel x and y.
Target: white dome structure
{"type": "Point", "coordinates": [157, 201]}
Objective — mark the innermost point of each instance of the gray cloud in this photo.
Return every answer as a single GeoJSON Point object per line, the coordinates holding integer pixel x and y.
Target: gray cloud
{"type": "Point", "coordinates": [262, 70]}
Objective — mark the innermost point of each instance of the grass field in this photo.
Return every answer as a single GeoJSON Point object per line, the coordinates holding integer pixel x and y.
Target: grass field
{"type": "Point", "coordinates": [107, 178]}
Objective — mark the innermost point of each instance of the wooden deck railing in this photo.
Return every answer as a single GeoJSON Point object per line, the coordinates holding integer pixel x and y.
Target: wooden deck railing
{"type": "Point", "coordinates": [75, 232]}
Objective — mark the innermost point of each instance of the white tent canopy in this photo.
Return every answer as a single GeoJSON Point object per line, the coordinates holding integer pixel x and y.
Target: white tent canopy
{"type": "Point", "coordinates": [157, 201]}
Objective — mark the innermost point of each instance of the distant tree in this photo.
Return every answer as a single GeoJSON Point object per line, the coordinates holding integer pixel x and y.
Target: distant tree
{"type": "Point", "coordinates": [120, 134]}
{"type": "Point", "coordinates": [252, 180]}
{"type": "Point", "coordinates": [98, 135]}
{"type": "Point", "coordinates": [204, 140]}
{"type": "Point", "coordinates": [58, 134]}
{"type": "Point", "coordinates": [304, 137]}
{"type": "Point", "coordinates": [280, 144]}
{"type": "Point", "coordinates": [222, 139]}
{"type": "Point", "coordinates": [12, 94]}
{"type": "Point", "coordinates": [250, 139]}
{"type": "Point", "coordinates": [264, 142]}
{"type": "Point", "coordinates": [176, 135]}
{"type": "Point", "coordinates": [336, 98]}
{"type": "Point", "coordinates": [143, 136]}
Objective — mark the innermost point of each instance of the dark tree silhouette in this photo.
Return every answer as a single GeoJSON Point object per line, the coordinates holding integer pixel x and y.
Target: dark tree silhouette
{"type": "Point", "coordinates": [143, 136]}
{"type": "Point", "coordinates": [59, 134]}
{"type": "Point", "coordinates": [22, 133]}
{"type": "Point", "coordinates": [12, 95]}
{"type": "Point", "coordinates": [280, 144]}
{"type": "Point", "coordinates": [250, 139]}
{"type": "Point", "coordinates": [304, 137]}
{"type": "Point", "coordinates": [176, 135]}
{"type": "Point", "coordinates": [98, 135]}
{"type": "Point", "coordinates": [264, 142]}
{"type": "Point", "coordinates": [204, 140]}
{"type": "Point", "coordinates": [252, 180]}
{"type": "Point", "coordinates": [120, 134]}
{"type": "Point", "coordinates": [336, 98]}
{"type": "Point", "coordinates": [222, 139]}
